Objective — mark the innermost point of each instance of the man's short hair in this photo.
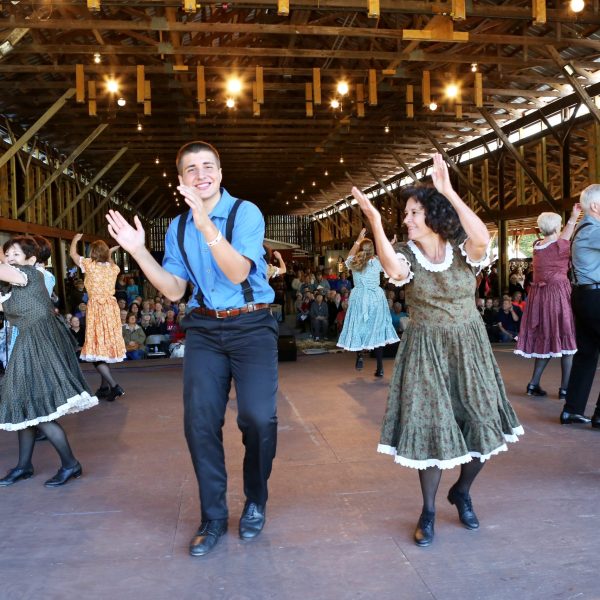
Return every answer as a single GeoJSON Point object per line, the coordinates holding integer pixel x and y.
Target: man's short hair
{"type": "Point", "coordinates": [193, 147]}
{"type": "Point", "coordinates": [589, 195]}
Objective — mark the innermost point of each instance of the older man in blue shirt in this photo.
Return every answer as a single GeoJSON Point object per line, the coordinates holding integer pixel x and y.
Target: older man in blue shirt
{"type": "Point", "coordinates": [230, 332]}
{"type": "Point", "coordinates": [585, 299]}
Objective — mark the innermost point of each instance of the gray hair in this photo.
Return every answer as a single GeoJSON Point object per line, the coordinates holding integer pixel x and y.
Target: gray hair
{"type": "Point", "coordinates": [549, 222]}
{"type": "Point", "coordinates": [589, 195]}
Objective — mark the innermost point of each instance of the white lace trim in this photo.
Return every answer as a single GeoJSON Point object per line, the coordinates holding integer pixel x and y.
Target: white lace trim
{"type": "Point", "coordinates": [106, 359]}
{"type": "Point", "coordinates": [452, 462]}
{"type": "Point", "coordinates": [427, 264]}
{"type": "Point", "coordinates": [542, 246]}
{"type": "Point", "coordinates": [75, 404]}
{"type": "Point", "coordinates": [401, 282]}
{"type": "Point", "coordinates": [5, 297]}
{"type": "Point", "coordinates": [359, 348]}
{"type": "Point", "coordinates": [550, 355]}
{"type": "Point", "coordinates": [21, 272]}
{"type": "Point", "coordinates": [484, 262]}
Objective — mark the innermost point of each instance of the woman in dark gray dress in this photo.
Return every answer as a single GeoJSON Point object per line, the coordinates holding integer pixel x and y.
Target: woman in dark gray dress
{"type": "Point", "coordinates": [43, 380]}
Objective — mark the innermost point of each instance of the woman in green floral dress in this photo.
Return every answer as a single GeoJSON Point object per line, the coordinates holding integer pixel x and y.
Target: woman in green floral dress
{"type": "Point", "coordinates": [447, 405]}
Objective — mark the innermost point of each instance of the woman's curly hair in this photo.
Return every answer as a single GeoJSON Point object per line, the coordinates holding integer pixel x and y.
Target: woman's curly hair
{"type": "Point", "coordinates": [366, 251]}
{"type": "Point", "coordinates": [440, 215]}
{"type": "Point", "coordinates": [27, 244]}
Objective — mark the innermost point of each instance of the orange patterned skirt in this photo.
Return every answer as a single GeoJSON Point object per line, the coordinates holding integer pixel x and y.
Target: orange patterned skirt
{"type": "Point", "coordinates": [103, 331]}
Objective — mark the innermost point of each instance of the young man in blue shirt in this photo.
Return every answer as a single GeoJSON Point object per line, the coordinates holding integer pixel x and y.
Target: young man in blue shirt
{"type": "Point", "coordinates": [230, 333]}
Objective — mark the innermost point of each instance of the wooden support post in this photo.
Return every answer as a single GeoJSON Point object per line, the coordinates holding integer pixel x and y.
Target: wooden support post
{"type": "Point", "coordinates": [317, 86]}
{"type": "Point", "coordinates": [410, 107]}
{"type": "Point", "coordinates": [381, 184]}
{"type": "Point", "coordinates": [283, 8]}
{"type": "Point", "coordinates": [90, 185]}
{"type": "Point", "coordinates": [147, 98]}
{"type": "Point", "coordinates": [260, 86]}
{"type": "Point", "coordinates": [459, 12]}
{"type": "Point", "coordinates": [155, 211]}
{"type": "Point", "coordinates": [141, 83]}
{"type": "Point", "coordinates": [426, 88]}
{"type": "Point", "coordinates": [308, 96]}
{"type": "Point", "coordinates": [136, 189]}
{"type": "Point", "coordinates": [255, 103]}
{"type": "Point", "coordinates": [503, 261]}
{"type": "Point", "coordinates": [201, 90]}
{"type": "Point", "coordinates": [478, 90]}
{"type": "Point", "coordinates": [374, 10]}
{"type": "Point", "coordinates": [372, 87]}
{"type": "Point", "coordinates": [59, 171]}
{"type": "Point", "coordinates": [538, 11]}
{"type": "Point", "coordinates": [79, 84]}
{"type": "Point", "coordinates": [510, 147]}
{"type": "Point", "coordinates": [458, 105]}
{"type": "Point", "coordinates": [36, 126]}
{"type": "Point", "coordinates": [92, 98]}
{"type": "Point", "coordinates": [360, 100]}
{"type": "Point", "coordinates": [110, 195]}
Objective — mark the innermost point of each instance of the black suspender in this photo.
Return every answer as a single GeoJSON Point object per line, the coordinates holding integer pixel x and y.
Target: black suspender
{"type": "Point", "coordinates": [572, 275]}
{"type": "Point", "coordinates": [246, 287]}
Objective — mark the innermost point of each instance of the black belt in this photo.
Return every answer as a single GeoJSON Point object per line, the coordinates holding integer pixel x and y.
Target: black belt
{"type": "Point", "coordinates": [589, 286]}
{"type": "Point", "coordinates": [229, 312]}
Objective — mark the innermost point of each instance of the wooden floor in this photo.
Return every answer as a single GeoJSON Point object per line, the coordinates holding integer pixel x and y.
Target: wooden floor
{"type": "Point", "coordinates": [340, 518]}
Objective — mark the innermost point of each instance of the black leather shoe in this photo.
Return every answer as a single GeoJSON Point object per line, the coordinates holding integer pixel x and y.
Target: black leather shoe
{"type": "Point", "coordinates": [63, 475]}
{"type": "Point", "coordinates": [465, 508]}
{"type": "Point", "coordinates": [15, 474]}
{"type": "Point", "coordinates": [596, 419]}
{"type": "Point", "coordinates": [252, 520]}
{"type": "Point", "coordinates": [102, 392]}
{"type": "Point", "coordinates": [424, 531]}
{"type": "Point", "coordinates": [359, 363]}
{"type": "Point", "coordinates": [379, 373]}
{"type": "Point", "coordinates": [562, 394]}
{"type": "Point", "coordinates": [567, 418]}
{"type": "Point", "coordinates": [535, 390]}
{"type": "Point", "coordinates": [115, 392]}
{"type": "Point", "coordinates": [207, 537]}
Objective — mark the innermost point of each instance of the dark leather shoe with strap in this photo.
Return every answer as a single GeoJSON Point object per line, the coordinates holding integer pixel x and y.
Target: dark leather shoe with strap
{"type": "Point", "coordinates": [425, 531]}
{"type": "Point", "coordinates": [252, 520]}
{"type": "Point", "coordinates": [207, 537]}
{"type": "Point", "coordinates": [63, 475]}
{"type": "Point", "coordinates": [463, 503]}
{"type": "Point", "coordinates": [15, 475]}
{"type": "Point", "coordinates": [567, 418]}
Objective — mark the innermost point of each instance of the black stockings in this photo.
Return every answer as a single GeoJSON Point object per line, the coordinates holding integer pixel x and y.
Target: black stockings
{"type": "Point", "coordinates": [379, 357]}
{"type": "Point", "coordinates": [107, 378]}
{"type": "Point", "coordinates": [566, 362]}
{"type": "Point", "coordinates": [468, 472]}
{"type": "Point", "coordinates": [56, 436]}
{"type": "Point", "coordinates": [430, 480]}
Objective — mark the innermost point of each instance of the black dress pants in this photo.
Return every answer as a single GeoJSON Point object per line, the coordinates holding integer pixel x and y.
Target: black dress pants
{"type": "Point", "coordinates": [242, 348]}
{"type": "Point", "coordinates": [586, 310]}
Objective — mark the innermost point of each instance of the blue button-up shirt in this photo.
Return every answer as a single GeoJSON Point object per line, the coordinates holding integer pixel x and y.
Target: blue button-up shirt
{"type": "Point", "coordinates": [247, 238]}
{"type": "Point", "coordinates": [586, 252]}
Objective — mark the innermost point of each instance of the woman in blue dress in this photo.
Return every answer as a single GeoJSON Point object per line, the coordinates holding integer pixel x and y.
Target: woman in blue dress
{"type": "Point", "coordinates": [368, 323]}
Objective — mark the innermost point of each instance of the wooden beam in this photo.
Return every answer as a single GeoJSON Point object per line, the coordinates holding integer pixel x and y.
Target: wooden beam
{"type": "Point", "coordinates": [372, 87]}
{"type": "Point", "coordinates": [79, 83]}
{"type": "Point", "coordinates": [110, 195]}
{"type": "Point", "coordinates": [138, 206]}
{"type": "Point", "coordinates": [36, 126]}
{"type": "Point", "coordinates": [514, 152]}
{"type": "Point", "coordinates": [403, 164]}
{"type": "Point", "coordinates": [317, 86]}
{"type": "Point", "coordinates": [59, 170]}
{"type": "Point", "coordinates": [90, 185]}
{"type": "Point", "coordinates": [141, 84]}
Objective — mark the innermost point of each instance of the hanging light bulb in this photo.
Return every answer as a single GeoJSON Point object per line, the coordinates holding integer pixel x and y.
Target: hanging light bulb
{"type": "Point", "coordinates": [157, 160]}
{"type": "Point", "coordinates": [474, 67]}
{"type": "Point", "coordinates": [139, 126]}
{"type": "Point", "coordinates": [577, 5]}
{"type": "Point", "coordinates": [234, 86]}
{"type": "Point", "coordinates": [302, 191]}
{"type": "Point", "coordinates": [433, 105]}
{"type": "Point", "coordinates": [386, 129]}
{"type": "Point", "coordinates": [314, 183]}
{"type": "Point", "coordinates": [170, 184]}
{"type": "Point", "coordinates": [230, 103]}
{"type": "Point", "coordinates": [342, 88]}
{"type": "Point", "coordinates": [287, 201]}
{"type": "Point", "coordinates": [112, 85]}
{"type": "Point", "coordinates": [326, 173]}
{"type": "Point", "coordinates": [335, 103]}
{"type": "Point", "coordinates": [164, 173]}
{"type": "Point", "coordinates": [97, 58]}
{"type": "Point", "coordinates": [121, 101]}
{"type": "Point", "coordinates": [452, 90]}
{"type": "Point", "coordinates": [341, 160]}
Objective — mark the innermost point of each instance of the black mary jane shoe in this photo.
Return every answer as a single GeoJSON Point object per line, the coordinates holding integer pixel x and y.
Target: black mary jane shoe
{"type": "Point", "coordinates": [115, 392]}
{"type": "Point", "coordinates": [379, 373]}
{"type": "Point", "coordinates": [535, 390]}
{"type": "Point", "coordinates": [102, 392]}
{"type": "Point", "coordinates": [359, 363]}
{"type": "Point", "coordinates": [252, 520]}
{"type": "Point", "coordinates": [562, 394]}
{"type": "Point", "coordinates": [63, 475]}
{"type": "Point", "coordinates": [425, 531]}
{"type": "Point", "coordinates": [463, 504]}
{"type": "Point", "coordinates": [15, 475]}
{"type": "Point", "coordinates": [567, 418]}
{"type": "Point", "coordinates": [207, 537]}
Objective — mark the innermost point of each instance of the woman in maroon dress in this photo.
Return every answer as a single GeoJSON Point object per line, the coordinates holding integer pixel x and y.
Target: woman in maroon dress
{"type": "Point", "coordinates": [547, 328]}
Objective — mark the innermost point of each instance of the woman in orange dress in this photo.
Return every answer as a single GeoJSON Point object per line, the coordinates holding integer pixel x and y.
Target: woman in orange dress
{"type": "Point", "coordinates": [104, 342]}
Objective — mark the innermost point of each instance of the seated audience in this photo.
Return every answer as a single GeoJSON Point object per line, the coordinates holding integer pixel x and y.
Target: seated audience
{"type": "Point", "coordinates": [507, 322]}
{"type": "Point", "coordinates": [134, 337]}
{"type": "Point", "coordinates": [319, 317]}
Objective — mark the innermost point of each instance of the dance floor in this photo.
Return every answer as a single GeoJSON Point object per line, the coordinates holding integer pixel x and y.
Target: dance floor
{"type": "Point", "coordinates": [340, 518]}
